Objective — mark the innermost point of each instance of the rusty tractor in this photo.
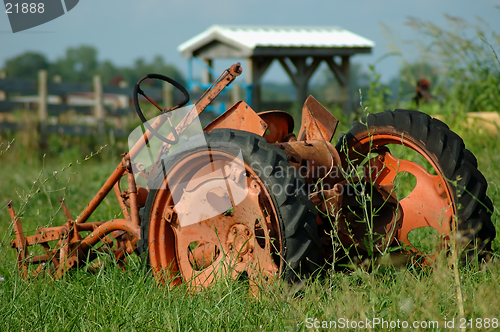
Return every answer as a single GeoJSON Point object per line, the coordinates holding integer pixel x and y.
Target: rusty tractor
{"type": "Point", "coordinates": [245, 194]}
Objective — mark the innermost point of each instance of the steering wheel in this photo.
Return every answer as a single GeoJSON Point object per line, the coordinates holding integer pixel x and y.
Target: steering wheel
{"type": "Point", "coordinates": [138, 91]}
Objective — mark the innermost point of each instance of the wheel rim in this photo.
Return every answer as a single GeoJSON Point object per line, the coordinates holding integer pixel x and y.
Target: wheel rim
{"type": "Point", "coordinates": [429, 204]}
{"type": "Point", "coordinates": [243, 234]}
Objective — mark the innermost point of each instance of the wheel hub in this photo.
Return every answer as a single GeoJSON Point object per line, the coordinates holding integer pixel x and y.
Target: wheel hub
{"type": "Point", "coordinates": [240, 242]}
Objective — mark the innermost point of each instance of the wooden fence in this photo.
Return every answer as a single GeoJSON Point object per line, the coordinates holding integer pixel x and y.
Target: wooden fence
{"type": "Point", "coordinates": [89, 104]}
{"type": "Point", "coordinates": [48, 102]}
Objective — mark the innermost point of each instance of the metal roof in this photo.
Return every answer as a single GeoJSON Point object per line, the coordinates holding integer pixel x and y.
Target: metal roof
{"type": "Point", "coordinates": [250, 38]}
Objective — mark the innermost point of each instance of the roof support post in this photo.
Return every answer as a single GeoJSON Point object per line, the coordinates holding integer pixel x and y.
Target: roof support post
{"type": "Point", "coordinates": [207, 76]}
{"type": "Point", "coordinates": [302, 74]}
{"type": "Point", "coordinates": [257, 67]}
{"type": "Point", "coordinates": [342, 73]}
{"type": "Point", "coordinates": [346, 69]}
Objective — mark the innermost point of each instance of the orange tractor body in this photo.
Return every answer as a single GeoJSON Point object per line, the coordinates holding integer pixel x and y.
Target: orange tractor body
{"type": "Point", "coordinates": [255, 198]}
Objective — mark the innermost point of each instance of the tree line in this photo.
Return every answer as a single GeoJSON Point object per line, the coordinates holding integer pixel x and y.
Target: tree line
{"type": "Point", "coordinates": [80, 64]}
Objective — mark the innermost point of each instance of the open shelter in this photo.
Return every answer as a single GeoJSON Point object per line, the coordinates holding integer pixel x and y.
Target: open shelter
{"type": "Point", "coordinates": [299, 50]}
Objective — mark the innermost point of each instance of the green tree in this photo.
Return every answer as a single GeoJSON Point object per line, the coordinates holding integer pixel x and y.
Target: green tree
{"type": "Point", "coordinates": [157, 65]}
{"type": "Point", "coordinates": [110, 74]}
{"type": "Point", "coordinates": [26, 65]}
{"type": "Point", "coordinates": [79, 65]}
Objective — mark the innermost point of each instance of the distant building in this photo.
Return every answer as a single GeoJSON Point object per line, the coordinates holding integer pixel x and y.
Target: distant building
{"type": "Point", "coordinates": [299, 50]}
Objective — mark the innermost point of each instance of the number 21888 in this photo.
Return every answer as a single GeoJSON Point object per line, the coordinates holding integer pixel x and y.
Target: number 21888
{"type": "Point", "coordinates": [24, 8]}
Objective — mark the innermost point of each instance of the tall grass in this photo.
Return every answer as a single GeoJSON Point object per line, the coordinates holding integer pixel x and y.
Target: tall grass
{"type": "Point", "coordinates": [115, 300]}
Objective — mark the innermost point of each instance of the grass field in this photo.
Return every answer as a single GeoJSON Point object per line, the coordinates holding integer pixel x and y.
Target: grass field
{"type": "Point", "coordinates": [114, 300]}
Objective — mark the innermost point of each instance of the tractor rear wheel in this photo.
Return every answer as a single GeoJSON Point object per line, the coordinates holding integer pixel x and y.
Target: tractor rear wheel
{"type": "Point", "coordinates": [449, 194]}
{"type": "Point", "coordinates": [217, 214]}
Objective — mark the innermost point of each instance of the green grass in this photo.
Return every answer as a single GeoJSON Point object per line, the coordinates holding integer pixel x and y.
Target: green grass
{"type": "Point", "coordinates": [115, 300]}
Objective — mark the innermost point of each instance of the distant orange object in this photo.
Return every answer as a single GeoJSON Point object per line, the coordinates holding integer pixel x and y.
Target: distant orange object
{"type": "Point", "coordinates": [422, 91]}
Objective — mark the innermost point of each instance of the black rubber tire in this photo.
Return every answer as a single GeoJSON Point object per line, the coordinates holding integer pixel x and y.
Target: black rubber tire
{"type": "Point", "coordinates": [296, 213]}
{"type": "Point", "coordinates": [448, 151]}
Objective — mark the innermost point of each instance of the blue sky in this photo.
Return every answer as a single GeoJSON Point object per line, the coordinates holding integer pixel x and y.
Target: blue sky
{"type": "Point", "coordinates": [124, 30]}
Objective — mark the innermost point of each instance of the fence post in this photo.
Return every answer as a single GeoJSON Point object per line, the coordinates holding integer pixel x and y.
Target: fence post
{"type": "Point", "coordinates": [43, 115]}
{"type": "Point", "coordinates": [3, 75]}
{"type": "Point", "coordinates": [99, 109]}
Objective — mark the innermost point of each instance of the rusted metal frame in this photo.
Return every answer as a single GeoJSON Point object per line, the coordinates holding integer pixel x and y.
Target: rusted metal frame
{"type": "Point", "coordinates": [108, 227]}
{"type": "Point", "coordinates": [54, 233]}
{"type": "Point", "coordinates": [61, 251]}
{"type": "Point", "coordinates": [317, 122]}
{"type": "Point", "coordinates": [39, 259]}
{"type": "Point", "coordinates": [306, 107]}
{"type": "Point", "coordinates": [123, 246]}
{"type": "Point", "coordinates": [120, 200]}
{"type": "Point", "coordinates": [38, 270]}
{"type": "Point", "coordinates": [44, 235]}
{"type": "Point", "coordinates": [118, 255]}
{"type": "Point", "coordinates": [20, 239]}
{"type": "Point", "coordinates": [64, 255]}
{"type": "Point", "coordinates": [70, 250]}
{"type": "Point", "coordinates": [66, 211]}
{"type": "Point", "coordinates": [134, 211]}
{"type": "Point", "coordinates": [61, 233]}
{"type": "Point", "coordinates": [73, 234]}
{"type": "Point", "coordinates": [227, 78]}
{"type": "Point", "coordinates": [107, 239]}
{"type": "Point", "coordinates": [101, 194]}
{"type": "Point", "coordinates": [241, 117]}
{"type": "Point", "coordinates": [312, 157]}
{"type": "Point", "coordinates": [97, 231]}
{"type": "Point", "coordinates": [89, 226]}
{"type": "Point", "coordinates": [51, 253]}
{"type": "Point", "coordinates": [54, 252]}
{"type": "Point", "coordinates": [279, 125]}
{"type": "Point", "coordinates": [65, 264]}
{"type": "Point", "coordinates": [71, 258]}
